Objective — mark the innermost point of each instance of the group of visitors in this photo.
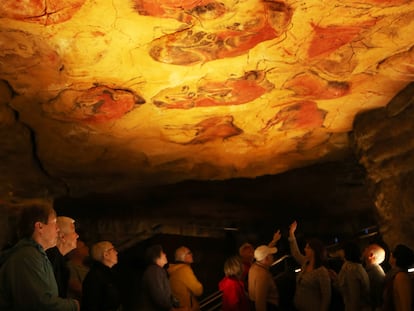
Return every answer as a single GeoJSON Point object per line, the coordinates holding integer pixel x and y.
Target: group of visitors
{"type": "Point", "coordinates": [49, 268]}
{"type": "Point", "coordinates": [361, 281]}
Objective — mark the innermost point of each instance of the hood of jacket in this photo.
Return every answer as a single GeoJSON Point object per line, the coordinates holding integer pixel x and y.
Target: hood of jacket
{"type": "Point", "coordinates": [4, 255]}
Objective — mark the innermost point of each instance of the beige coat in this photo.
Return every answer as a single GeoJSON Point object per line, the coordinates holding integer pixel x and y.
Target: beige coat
{"type": "Point", "coordinates": [262, 288]}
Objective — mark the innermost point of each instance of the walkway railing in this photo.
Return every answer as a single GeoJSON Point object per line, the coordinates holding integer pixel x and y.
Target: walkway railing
{"type": "Point", "coordinates": [212, 302]}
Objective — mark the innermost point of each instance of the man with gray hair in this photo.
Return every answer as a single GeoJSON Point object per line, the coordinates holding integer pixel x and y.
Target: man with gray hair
{"type": "Point", "coordinates": [100, 287]}
{"type": "Point", "coordinates": [66, 242]}
{"type": "Point", "coordinates": [184, 284]}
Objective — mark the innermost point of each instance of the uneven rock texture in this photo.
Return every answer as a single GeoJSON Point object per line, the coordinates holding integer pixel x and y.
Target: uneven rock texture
{"type": "Point", "coordinates": [385, 143]}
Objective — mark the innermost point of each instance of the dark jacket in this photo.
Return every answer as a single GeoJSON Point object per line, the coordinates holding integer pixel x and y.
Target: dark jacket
{"type": "Point", "coordinates": [100, 291]}
{"type": "Point", "coordinates": [27, 281]}
{"type": "Point", "coordinates": [155, 291]}
{"type": "Point", "coordinates": [60, 269]}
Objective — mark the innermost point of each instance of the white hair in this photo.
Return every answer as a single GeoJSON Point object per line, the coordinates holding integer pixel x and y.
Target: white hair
{"type": "Point", "coordinates": [64, 224]}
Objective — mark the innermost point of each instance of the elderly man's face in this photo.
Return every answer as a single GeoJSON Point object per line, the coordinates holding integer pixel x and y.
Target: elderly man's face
{"type": "Point", "coordinates": [188, 256]}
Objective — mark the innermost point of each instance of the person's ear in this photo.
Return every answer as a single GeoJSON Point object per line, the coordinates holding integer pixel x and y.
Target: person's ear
{"type": "Point", "coordinates": [38, 225]}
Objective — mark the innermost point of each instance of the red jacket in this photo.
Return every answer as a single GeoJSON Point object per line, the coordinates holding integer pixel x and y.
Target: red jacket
{"type": "Point", "coordinates": [234, 295]}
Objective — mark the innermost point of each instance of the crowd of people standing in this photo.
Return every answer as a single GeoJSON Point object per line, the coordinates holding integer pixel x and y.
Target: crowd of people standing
{"type": "Point", "coordinates": [360, 281]}
{"type": "Point", "coordinates": [50, 268]}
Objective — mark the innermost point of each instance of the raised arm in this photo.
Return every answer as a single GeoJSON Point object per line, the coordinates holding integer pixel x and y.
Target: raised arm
{"type": "Point", "coordinates": [276, 238]}
{"type": "Point", "coordinates": [294, 249]}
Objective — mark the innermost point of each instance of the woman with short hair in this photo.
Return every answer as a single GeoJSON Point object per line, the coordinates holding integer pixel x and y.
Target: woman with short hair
{"type": "Point", "coordinates": [234, 294]}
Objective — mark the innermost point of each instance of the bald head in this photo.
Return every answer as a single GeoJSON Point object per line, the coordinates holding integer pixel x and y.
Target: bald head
{"type": "Point", "coordinates": [374, 254]}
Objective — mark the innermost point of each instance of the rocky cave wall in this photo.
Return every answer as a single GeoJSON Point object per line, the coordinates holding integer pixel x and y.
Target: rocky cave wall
{"type": "Point", "coordinates": [384, 141]}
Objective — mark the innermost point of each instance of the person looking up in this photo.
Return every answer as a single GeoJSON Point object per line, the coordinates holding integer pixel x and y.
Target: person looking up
{"type": "Point", "coordinates": [373, 256]}
{"type": "Point", "coordinates": [398, 287]}
{"type": "Point", "coordinates": [66, 242]}
{"type": "Point", "coordinates": [262, 288]}
{"type": "Point", "coordinates": [313, 283]}
{"type": "Point", "coordinates": [184, 284]}
{"type": "Point", "coordinates": [353, 280]}
{"type": "Point", "coordinates": [234, 294]}
{"type": "Point", "coordinates": [100, 288]}
{"type": "Point", "coordinates": [156, 292]}
{"type": "Point", "coordinates": [27, 281]}
{"type": "Point", "coordinates": [246, 253]}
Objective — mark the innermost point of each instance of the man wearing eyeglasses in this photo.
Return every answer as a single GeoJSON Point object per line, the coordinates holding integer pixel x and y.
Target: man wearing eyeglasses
{"type": "Point", "coordinates": [100, 287]}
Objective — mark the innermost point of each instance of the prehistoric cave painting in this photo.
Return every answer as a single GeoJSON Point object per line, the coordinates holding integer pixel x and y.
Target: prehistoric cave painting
{"type": "Point", "coordinates": [213, 128]}
{"type": "Point", "coordinates": [328, 39]}
{"type": "Point", "coordinates": [301, 115]}
{"type": "Point", "coordinates": [40, 11]}
{"type": "Point", "coordinates": [311, 86]}
{"type": "Point", "coordinates": [95, 105]}
{"type": "Point", "coordinates": [215, 93]}
{"type": "Point", "coordinates": [182, 10]}
{"type": "Point", "coordinates": [26, 55]}
{"type": "Point", "coordinates": [198, 45]}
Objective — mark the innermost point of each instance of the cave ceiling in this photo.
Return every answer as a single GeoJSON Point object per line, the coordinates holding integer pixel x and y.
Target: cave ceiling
{"type": "Point", "coordinates": [101, 97]}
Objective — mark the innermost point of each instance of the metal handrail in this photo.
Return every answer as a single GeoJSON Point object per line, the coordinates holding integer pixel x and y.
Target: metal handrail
{"type": "Point", "coordinates": [215, 307]}
{"type": "Point", "coordinates": [210, 299]}
{"type": "Point", "coordinates": [278, 261]}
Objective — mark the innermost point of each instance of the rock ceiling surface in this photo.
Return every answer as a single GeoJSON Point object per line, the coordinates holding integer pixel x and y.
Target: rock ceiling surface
{"type": "Point", "coordinates": [101, 95]}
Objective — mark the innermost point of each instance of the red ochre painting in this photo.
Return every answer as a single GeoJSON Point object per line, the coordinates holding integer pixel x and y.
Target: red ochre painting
{"type": "Point", "coordinates": [311, 86]}
{"type": "Point", "coordinates": [177, 78]}
{"type": "Point", "coordinates": [96, 105]}
{"type": "Point", "coordinates": [214, 128]}
{"type": "Point", "coordinates": [300, 115]}
{"type": "Point", "coordinates": [215, 93]}
{"type": "Point", "coordinates": [199, 45]}
{"type": "Point", "coordinates": [330, 38]}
